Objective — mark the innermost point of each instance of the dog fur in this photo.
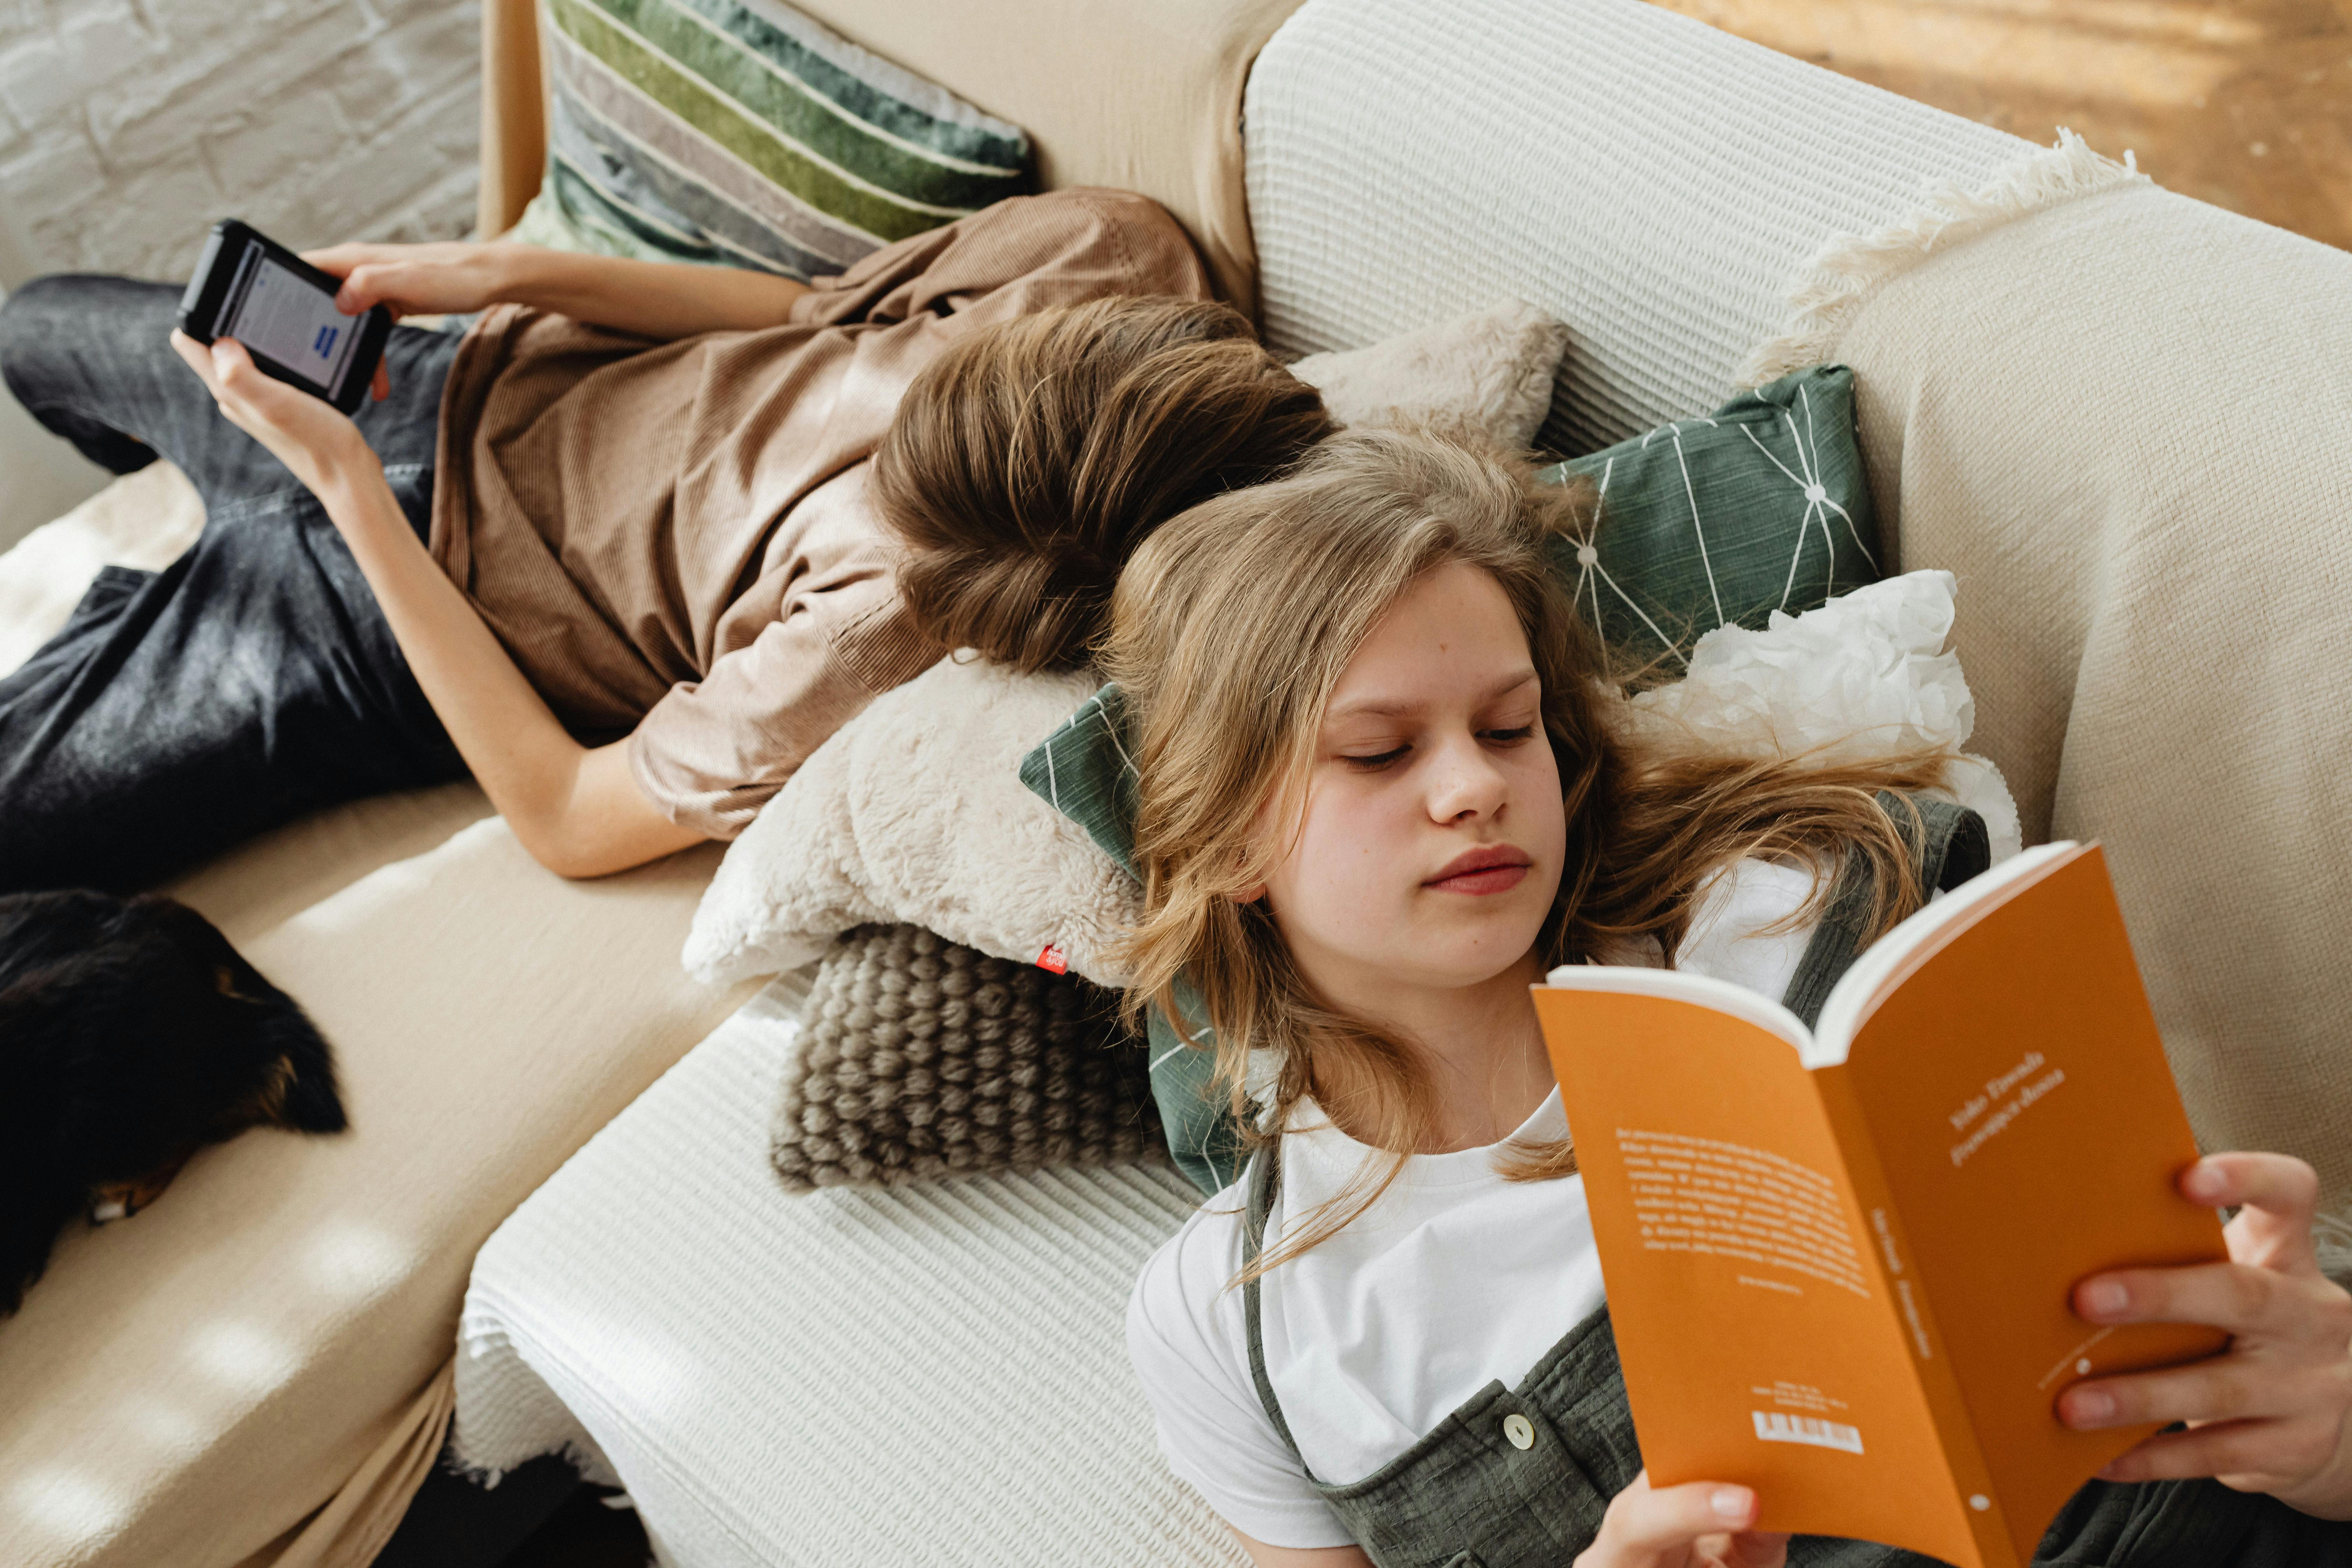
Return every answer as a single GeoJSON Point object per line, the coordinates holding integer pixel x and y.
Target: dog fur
{"type": "Point", "coordinates": [131, 1035]}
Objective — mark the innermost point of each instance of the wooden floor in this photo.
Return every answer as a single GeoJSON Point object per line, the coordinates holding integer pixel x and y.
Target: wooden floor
{"type": "Point", "coordinates": [2243, 103]}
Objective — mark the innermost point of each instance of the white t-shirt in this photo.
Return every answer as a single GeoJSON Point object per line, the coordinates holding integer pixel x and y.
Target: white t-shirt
{"type": "Point", "coordinates": [1453, 1280]}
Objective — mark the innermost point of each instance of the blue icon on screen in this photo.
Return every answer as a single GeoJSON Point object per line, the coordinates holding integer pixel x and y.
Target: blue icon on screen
{"type": "Point", "coordinates": [324, 344]}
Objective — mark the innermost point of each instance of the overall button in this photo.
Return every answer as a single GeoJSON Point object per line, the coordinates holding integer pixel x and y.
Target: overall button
{"type": "Point", "coordinates": [1519, 1431]}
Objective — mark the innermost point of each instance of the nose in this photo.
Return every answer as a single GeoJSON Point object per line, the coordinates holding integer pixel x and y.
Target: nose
{"type": "Point", "coordinates": [1465, 781]}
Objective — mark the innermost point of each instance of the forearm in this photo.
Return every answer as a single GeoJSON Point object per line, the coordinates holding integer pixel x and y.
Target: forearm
{"type": "Point", "coordinates": [652, 298]}
{"type": "Point", "coordinates": [573, 807]}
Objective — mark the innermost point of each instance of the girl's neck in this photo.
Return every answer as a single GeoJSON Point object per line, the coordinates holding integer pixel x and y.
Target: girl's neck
{"type": "Point", "coordinates": [1482, 1049]}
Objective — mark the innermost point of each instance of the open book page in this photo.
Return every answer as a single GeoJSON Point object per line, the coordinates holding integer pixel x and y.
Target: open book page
{"type": "Point", "coordinates": [1889, 961]}
{"type": "Point", "coordinates": [2013, 1089]}
{"type": "Point", "coordinates": [1753, 1322]}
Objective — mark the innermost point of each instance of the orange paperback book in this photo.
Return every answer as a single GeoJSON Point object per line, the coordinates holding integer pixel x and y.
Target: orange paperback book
{"type": "Point", "coordinates": [1839, 1260]}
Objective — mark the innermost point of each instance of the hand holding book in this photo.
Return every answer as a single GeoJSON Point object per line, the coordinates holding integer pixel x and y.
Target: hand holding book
{"type": "Point", "coordinates": [2269, 1413]}
{"type": "Point", "coordinates": [1700, 1524]}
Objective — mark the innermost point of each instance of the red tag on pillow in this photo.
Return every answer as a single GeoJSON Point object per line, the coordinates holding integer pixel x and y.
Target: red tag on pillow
{"type": "Point", "coordinates": [1054, 959]}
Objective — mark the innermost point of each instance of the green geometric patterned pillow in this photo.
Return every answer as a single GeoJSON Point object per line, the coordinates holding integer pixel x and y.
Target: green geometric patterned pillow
{"type": "Point", "coordinates": [1082, 770]}
{"type": "Point", "coordinates": [740, 133]}
{"type": "Point", "coordinates": [1760, 506]}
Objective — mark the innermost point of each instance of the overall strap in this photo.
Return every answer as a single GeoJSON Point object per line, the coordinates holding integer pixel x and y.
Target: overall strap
{"type": "Point", "coordinates": [1948, 844]}
{"type": "Point", "coordinates": [1264, 1181]}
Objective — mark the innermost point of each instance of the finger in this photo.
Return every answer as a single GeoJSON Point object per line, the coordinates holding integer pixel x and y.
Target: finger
{"type": "Point", "coordinates": [366, 284]}
{"type": "Point", "coordinates": [233, 367]}
{"type": "Point", "coordinates": [1757, 1549]}
{"type": "Point", "coordinates": [1663, 1519]}
{"type": "Point", "coordinates": [2251, 1456]}
{"type": "Point", "coordinates": [2233, 1296]}
{"type": "Point", "coordinates": [246, 394]}
{"type": "Point", "coordinates": [338, 259]}
{"type": "Point", "coordinates": [2223, 1388]}
{"type": "Point", "coordinates": [380, 383]}
{"type": "Point", "coordinates": [199, 358]}
{"type": "Point", "coordinates": [2275, 1195]}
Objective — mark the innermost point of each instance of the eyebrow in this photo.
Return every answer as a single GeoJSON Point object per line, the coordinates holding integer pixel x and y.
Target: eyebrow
{"type": "Point", "coordinates": [1365, 709]}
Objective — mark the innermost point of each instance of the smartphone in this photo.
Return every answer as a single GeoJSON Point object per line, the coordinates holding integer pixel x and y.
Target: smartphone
{"type": "Point", "coordinates": [282, 309]}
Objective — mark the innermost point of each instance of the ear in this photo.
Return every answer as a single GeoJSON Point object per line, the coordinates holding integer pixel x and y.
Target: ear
{"type": "Point", "coordinates": [1248, 895]}
{"type": "Point", "coordinates": [311, 1102]}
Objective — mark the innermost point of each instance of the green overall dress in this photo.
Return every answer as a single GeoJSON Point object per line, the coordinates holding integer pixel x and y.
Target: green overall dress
{"type": "Point", "coordinates": [1519, 1478]}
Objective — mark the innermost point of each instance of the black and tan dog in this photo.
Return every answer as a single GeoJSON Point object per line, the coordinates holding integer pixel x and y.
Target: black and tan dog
{"type": "Point", "coordinates": [131, 1035]}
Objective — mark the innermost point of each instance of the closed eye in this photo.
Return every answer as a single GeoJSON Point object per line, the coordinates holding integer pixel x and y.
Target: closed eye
{"type": "Point", "coordinates": [1506, 737]}
{"type": "Point", "coordinates": [1376, 762]}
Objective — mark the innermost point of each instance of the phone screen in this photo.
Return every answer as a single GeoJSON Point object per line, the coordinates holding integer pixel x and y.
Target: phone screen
{"type": "Point", "coordinates": [278, 313]}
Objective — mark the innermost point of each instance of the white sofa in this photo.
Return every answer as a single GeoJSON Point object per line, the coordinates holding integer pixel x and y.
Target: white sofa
{"type": "Point", "coordinates": [2068, 403]}
{"type": "Point", "coordinates": [938, 1376]}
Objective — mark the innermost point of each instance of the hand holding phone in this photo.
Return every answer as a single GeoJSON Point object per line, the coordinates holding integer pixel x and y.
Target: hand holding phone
{"type": "Point", "coordinates": [283, 310]}
{"type": "Point", "coordinates": [435, 278]}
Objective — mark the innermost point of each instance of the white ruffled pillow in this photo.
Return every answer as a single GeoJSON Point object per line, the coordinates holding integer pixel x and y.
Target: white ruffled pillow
{"type": "Point", "coordinates": [1864, 674]}
{"type": "Point", "coordinates": [914, 814]}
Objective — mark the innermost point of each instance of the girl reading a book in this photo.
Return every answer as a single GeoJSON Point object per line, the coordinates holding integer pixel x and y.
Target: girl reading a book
{"type": "Point", "coordinates": [1379, 795]}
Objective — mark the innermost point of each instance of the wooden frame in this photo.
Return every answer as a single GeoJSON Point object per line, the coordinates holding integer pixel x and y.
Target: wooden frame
{"type": "Point", "coordinates": [514, 113]}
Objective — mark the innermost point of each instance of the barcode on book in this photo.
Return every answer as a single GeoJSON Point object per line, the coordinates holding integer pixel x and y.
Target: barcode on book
{"type": "Point", "coordinates": [1774, 1427]}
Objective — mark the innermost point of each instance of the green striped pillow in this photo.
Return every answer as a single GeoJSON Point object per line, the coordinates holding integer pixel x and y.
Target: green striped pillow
{"type": "Point", "coordinates": [741, 132]}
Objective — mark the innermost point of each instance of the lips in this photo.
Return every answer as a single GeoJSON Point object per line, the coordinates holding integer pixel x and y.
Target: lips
{"type": "Point", "coordinates": [1497, 868]}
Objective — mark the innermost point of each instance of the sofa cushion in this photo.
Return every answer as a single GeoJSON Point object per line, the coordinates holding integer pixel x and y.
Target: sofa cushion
{"type": "Point", "coordinates": [1491, 370]}
{"type": "Point", "coordinates": [255, 1369]}
{"type": "Point", "coordinates": [744, 132]}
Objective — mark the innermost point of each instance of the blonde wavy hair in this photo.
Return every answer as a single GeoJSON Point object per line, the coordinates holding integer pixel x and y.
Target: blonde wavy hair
{"type": "Point", "coordinates": [1229, 629]}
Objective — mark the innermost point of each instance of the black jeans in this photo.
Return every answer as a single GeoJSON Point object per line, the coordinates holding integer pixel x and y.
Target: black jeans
{"type": "Point", "coordinates": [181, 712]}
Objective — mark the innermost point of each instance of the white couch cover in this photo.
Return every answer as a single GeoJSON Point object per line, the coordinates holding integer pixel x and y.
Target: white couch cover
{"type": "Point", "coordinates": [919, 1375]}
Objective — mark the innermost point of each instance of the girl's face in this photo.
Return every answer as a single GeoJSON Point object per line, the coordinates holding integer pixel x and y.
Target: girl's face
{"type": "Point", "coordinates": [1433, 835]}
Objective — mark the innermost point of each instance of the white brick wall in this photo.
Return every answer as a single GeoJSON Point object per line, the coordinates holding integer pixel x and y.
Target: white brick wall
{"type": "Point", "coordinates": [128, 126]}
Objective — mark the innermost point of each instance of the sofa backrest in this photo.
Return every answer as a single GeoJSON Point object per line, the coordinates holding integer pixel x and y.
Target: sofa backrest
{"type": "Point", "coordinates": [1142, 95]}
{"type": "Point", "coordinates": [1649, 180]}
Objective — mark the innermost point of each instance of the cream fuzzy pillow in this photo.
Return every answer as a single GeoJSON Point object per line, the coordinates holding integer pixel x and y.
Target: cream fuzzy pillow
{"type": "Point", "coordinates": [914, 814]}
{"type": "Point", "coordinates": [1493, 367]}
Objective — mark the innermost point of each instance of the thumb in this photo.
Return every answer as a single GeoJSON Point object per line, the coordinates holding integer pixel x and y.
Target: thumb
{"type": "Point", "coordinates": [1649, 1525]}
{"type": "Point", "coordinates": [233, 366]}
{"type": "Point", "coordinates": [241, 381]}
